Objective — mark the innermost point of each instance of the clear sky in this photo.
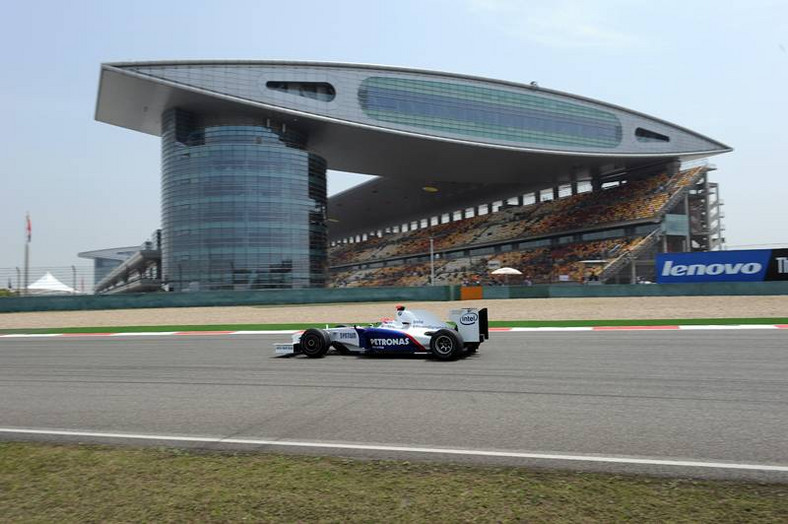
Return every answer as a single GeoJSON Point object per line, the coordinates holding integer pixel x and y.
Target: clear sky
{"type": "Point", "coordinates": [719, 68]}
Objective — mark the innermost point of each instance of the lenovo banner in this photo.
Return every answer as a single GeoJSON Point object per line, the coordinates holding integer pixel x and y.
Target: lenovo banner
{"type": "Point", "coordinates": [754, 265]}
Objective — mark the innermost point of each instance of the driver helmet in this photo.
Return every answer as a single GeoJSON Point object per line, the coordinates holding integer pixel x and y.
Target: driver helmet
{"type": "Point", "coordinates": [405, 317]}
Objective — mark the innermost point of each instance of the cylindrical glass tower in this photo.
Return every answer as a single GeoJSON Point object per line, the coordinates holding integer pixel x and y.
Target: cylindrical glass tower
{"type": "Point", "coordinates": [243, 205]}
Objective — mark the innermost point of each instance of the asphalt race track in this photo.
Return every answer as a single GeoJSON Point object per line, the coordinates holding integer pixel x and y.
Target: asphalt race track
{"type": "Point", "coordinates": [706, 404]}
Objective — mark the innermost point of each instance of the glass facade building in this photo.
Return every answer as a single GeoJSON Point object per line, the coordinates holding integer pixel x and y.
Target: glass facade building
{"type": "Point", "coordinates": [243, 205]}
{"type": "Point", "coordinates": [244, 202]}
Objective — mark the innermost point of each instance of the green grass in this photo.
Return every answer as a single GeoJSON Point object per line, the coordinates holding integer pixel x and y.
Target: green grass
{"type": "Point", "coordinates": [59, 483]}
{"type": "Point", "coordinates": [493, 323]}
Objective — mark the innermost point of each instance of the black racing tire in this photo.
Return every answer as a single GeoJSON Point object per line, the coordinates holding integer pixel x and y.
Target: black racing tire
{"type": "Point", "coordinates": [446, 344]}
{"type": "Point", "coordinates": [315, 343]}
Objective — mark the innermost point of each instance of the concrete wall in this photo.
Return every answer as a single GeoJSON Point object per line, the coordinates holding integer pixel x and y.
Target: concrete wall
{"type": "Point", "coordinates": [318, 296]}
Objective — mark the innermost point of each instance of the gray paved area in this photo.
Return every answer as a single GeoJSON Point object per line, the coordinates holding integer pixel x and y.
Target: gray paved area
{"type": "Point", "coordinates": [701, 396]}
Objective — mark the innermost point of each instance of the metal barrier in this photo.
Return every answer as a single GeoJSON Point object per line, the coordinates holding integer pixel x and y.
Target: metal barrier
{"type": "Point", "coordinates": [401, 294]}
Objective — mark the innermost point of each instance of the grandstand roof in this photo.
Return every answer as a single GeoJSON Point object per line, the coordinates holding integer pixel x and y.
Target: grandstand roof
{"type": "Point", "coordinates": [414, 127]}
{"type": "Point", "coordinates": [114, 253]}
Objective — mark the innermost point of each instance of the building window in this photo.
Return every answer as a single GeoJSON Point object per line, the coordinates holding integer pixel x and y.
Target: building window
{"type": "Point", "coordinates": [493, 114]}
{"type": "Point", "coordinates": [315, 90]}
{"type": "Point", "coordinates": [644, 135]}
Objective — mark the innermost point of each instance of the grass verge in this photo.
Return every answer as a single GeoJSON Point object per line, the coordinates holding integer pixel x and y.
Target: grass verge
{"type": "Point", "coordinates": [493, 323]}
{"type": "Point", "coordinates": [41, 482]}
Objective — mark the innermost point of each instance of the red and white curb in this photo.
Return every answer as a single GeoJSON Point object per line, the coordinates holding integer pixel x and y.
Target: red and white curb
{"type": "Point", "coordinates": [498, 329]}
{"type": "Point", "coordinates": [646, 328]}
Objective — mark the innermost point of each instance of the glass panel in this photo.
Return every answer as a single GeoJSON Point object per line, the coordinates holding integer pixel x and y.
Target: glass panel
{"type": "Point", "coordinates": [488, 113]}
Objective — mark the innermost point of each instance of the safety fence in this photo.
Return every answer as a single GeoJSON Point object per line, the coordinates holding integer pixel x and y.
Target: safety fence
{"type": "Point", "coordinates": [77, 278]}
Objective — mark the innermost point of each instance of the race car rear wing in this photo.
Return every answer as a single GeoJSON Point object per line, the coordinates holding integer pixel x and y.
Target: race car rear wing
{"type": "Point", "coordinates": [471, 324]}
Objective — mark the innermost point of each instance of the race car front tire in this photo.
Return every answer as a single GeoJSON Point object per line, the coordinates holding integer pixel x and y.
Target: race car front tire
{"type": "Point", "coordinates": [446, 344]}
{"type": "Point", "coordinates": [315, 343]}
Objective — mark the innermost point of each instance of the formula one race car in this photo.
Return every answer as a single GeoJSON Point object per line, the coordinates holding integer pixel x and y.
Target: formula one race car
{"type": "Point", "coordinates": [411, 332]}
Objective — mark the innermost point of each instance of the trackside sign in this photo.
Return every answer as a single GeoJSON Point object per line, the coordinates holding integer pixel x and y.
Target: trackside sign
{"type": "Point", "coordinates": [755, 265]}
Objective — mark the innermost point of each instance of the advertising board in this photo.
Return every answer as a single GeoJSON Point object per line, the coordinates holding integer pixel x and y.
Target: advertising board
{"type": "Point", "coordinates": [751, 265]}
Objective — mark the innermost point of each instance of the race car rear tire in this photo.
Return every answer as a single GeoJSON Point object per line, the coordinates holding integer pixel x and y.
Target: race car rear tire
{"type": "Point", "coordinates": [446, 344]}
{"type": "Point", "coordinates": [315, 343]}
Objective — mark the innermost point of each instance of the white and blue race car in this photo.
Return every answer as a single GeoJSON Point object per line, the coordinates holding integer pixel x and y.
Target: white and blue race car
{"type": "Point", "coordinates": [410, 332]}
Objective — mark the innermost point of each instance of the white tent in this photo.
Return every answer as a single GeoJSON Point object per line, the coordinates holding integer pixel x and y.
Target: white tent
{"type": "Point", "coordinates": [49, 285]}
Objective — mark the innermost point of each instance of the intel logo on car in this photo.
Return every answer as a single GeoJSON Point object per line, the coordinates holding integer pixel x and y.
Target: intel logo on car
{"type": "Point", "coordinates": [468, 319]}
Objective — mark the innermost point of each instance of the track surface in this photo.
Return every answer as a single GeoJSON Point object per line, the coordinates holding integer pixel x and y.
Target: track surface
{"type": "Point", "coordinates": [719, 396]}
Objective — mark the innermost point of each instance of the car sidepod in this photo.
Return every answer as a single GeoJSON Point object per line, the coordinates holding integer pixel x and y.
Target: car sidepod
{"type": "Point", "coordinates": [345, 339]}
{"type": "Point", "coordinates": [383, 339]}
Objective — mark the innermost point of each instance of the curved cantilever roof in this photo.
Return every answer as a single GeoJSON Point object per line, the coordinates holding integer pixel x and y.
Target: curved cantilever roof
{"type": "Point", "coordinates": [411, 126]}
{"type": "Point", "coordinates": [116, 253]}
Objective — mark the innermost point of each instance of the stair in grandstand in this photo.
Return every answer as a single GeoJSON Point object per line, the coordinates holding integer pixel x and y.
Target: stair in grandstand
{"type": "Point", "coordinates": [683, 182]}
{"type": "Point", "coordinates": [625, 259]}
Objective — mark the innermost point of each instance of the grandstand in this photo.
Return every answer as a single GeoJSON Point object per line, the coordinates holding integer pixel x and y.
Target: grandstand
{"type": "Point", "coordinates": [608, 234]}
{"type": "Point", "coordinates": [476, 171]}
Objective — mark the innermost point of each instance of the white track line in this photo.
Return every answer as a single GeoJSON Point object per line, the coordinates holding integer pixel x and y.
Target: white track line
{"type": "Point", "coordinates": [406, 449]}
{"type": "Point", "coordinates": [23, 335]}
{"type": "Point", "coordinates": [143, 334]}
{"type": "Point", "coordinates": [547, 329]}
{"type": "Point", "coordinates": [269, 332]}
{"type": "Point", "coordinates": [741, 326]}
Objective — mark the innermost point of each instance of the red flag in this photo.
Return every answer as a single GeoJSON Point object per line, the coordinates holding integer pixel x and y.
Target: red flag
{"type": "Point", "coordinates": [29, 228]}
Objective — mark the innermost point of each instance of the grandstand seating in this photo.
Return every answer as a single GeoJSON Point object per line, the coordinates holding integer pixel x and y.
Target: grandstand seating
{"type": "Point", "coordinates": [634, 200]}
{"type": "Point", "coordinates": [538, 265]}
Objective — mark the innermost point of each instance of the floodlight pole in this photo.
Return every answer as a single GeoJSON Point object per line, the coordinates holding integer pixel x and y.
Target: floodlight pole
{"type": "Point", "coordinates": [432, 261]}
{"type": "Point", "coordinates": [74, 274]}
{"type": "Point", "coordinates": [18, 281]}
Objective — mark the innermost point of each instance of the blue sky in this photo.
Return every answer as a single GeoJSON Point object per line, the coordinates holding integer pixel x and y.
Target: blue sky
{"type": "Point", "coordinates": [719, 68]}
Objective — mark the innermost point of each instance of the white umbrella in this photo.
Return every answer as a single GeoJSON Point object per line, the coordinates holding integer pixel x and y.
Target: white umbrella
{"type": "Point", "coordinates": [506, 271]}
